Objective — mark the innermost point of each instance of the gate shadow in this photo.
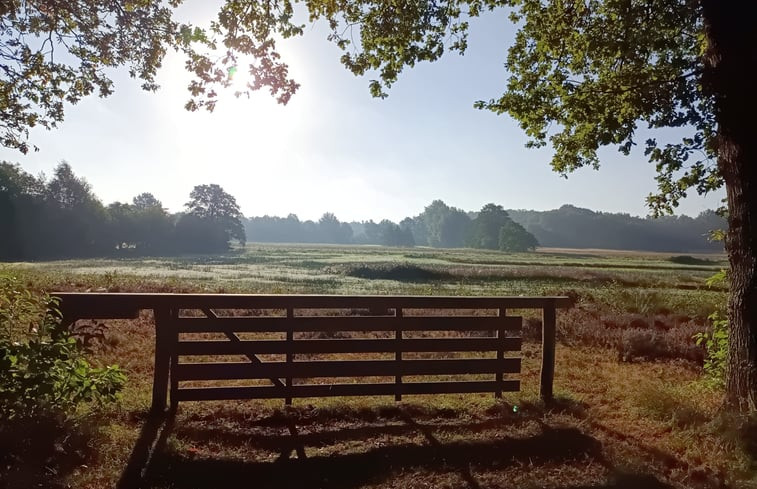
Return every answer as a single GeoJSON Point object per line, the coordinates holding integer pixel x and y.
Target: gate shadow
{"type": "Point", "coordinates": [152, 465]}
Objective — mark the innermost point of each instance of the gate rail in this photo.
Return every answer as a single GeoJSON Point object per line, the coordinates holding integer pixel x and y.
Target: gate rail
{"type": "Point", "coordinates": [184, 323]}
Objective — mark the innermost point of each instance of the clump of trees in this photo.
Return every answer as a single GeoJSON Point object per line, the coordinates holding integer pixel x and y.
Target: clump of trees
{"type": "Point", "coordinates": [385, 233]}
{"type": "Point", "coordinates": [442, 226]}
{"type": "Point", "coordinates": [493, 229]}
{"type": "Point", "coordinates": [273, 229]}
{"type": "Point", "coordinates": [61, 217]}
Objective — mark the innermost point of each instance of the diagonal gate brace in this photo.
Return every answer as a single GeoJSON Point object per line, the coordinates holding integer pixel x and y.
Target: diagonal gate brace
{"type": "Point", "coordinates": [235, 339]}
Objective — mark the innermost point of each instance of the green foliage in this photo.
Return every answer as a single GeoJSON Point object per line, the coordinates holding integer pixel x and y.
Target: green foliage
{"type": "Point", "coordinates": [596, 69]}
{"type": "Point", "coordinates": [62, 217]}
{"type": "Point", "coordinates": [715, 341]}
{"type": "Point", "coordinates": [439, 226]}
{"type": "Point", "coordinates": [493, 229]}
{"type": "Point", "coordinates": [57, 54]}
{"type": "Point", "coordinates": [719, 279]}
{"type": "Point", "coordinates": [485, 230]}
{"type": "Point", "coordinates": [43, 371]}
{"type": "Point", "coordinates": [212, 204]}
{"type": "Point", "coordinates": [514, 238]}
{"type": "Point", "coordinates": [581, 76]}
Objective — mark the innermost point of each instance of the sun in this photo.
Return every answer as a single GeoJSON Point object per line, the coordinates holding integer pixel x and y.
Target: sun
{"type": "Point", "coordinates": [237, 80]}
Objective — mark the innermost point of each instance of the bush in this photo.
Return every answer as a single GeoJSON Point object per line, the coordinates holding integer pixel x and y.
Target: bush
{"type": "Point", "coordinates": [689, 260]}
{"type": "Point", "coordinates": [715, 341]}
{"type": "Point", "coordinates": [43, 370]}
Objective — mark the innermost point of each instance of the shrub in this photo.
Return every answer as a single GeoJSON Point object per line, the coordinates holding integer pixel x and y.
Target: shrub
{"type": "Point", "coordinates": [689, 260]}
{"type": "Point", "coordinates": [715, 341]}
{"type": "Point", "coordinates": [43, 370]}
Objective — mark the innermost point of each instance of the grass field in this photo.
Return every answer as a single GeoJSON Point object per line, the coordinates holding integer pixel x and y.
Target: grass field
{"type": "Point", "coordinates": [633, 407]}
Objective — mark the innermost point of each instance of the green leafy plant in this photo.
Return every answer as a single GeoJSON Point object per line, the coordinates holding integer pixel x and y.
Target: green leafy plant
{"type": "Point", "coordinates": [715, 341]}
{"type": "Point", "coordinates": [43, 370]}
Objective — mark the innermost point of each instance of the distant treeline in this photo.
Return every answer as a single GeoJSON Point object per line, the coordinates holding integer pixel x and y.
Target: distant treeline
{"type": "Point", "coordinates": [574, 227]}
{"type": "Point", "coordinates": [439, 225]}
{"type": "Point", "coordinates": [61, 217]}
{"type": "Point", "coordinates": [442, 226]}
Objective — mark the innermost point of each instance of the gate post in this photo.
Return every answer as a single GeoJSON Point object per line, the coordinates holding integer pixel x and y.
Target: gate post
{"type": "Point", "coordinates": [162, 359]}
{"type": "Point", "coordinates": [547, 354]}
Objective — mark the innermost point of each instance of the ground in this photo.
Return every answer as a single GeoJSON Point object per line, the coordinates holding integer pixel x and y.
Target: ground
{"type": "Point", "coordinates": [633, 407]}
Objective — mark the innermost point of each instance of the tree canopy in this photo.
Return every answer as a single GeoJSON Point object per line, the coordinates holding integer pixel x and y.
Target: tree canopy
{"type": "Point", "coordinates": [591, 70]}
{"type": "Point", "coordinates": [213, 206]}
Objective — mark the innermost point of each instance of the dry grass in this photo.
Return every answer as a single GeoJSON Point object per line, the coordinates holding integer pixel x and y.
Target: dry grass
{"type": "Point", "coordinates": [615, 425]}
{"type": "Point", "coordinates": [646, 422]}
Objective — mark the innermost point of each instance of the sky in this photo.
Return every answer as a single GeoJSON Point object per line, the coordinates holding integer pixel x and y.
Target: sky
{"type": "Point", "coordinates": [334, 148]}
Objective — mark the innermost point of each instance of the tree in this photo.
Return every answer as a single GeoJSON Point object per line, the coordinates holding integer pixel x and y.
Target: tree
{"type": "Point", "coordinates": [333, 231]}
{"type": "Point", "coordinates": [152, 224]}
{"type": "Point", "coordinates": [145, 201]}
{"type": "Point", "coordinates": [74, 218]}
{"type": "Point", "coordinates": [212, 204]}
{"type": "Point", "coordinates": [21, 202]}
{"type": "Point", "coordinates": [122, 224]}
{"type": "Point", "coordinates": [455, 228]}
{"type": "Point", "coordinates": [583, 75]}
{"type": "Point", "coordinates": [433, 216]}
{"type": "Point", "coordinates": [514, 237]}
{"type": "Point", "coordinates": [391, 234]}
{"type": "Point", "coordinates": [68, 191]}
{"type": "Point", "coordinates": [486, 227]}
{"type": "Point", "coordinates": [372, 232]}
{"type": "Point", "coordinates": [194, 234]}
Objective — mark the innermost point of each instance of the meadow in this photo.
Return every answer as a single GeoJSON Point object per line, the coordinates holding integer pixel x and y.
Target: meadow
{"type": "Point", "coordinates": [634, 408]}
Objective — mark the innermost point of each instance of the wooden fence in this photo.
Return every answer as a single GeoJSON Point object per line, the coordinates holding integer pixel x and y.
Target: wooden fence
{"type": "Point", "coordinates": [276, 336]}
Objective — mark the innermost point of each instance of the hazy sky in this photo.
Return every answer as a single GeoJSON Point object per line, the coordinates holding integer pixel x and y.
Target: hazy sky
{"type": "Point", "coordinates": [333, 147]}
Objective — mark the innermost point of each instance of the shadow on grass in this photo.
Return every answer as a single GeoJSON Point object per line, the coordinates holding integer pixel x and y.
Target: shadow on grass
{"type": "Point", "coordinates": [374, 465]}
{"type": "Point", "coordinates": [152, 464]}
{"type": "Point", "coordinates": [622, 480]}
{"type": "Point", "coordinates": [402, 272]}
{"type": "Point", "coordinates": [152, 439]}
{"type": "Point", "coordinates": [41, 452]}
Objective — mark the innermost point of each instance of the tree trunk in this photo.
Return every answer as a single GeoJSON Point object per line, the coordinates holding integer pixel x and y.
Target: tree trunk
{"type": "Point", "coordinates": [729, 64]}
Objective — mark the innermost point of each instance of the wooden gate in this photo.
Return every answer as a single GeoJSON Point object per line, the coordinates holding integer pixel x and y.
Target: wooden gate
{"type": "Point", "coordinates": [278, 346]}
